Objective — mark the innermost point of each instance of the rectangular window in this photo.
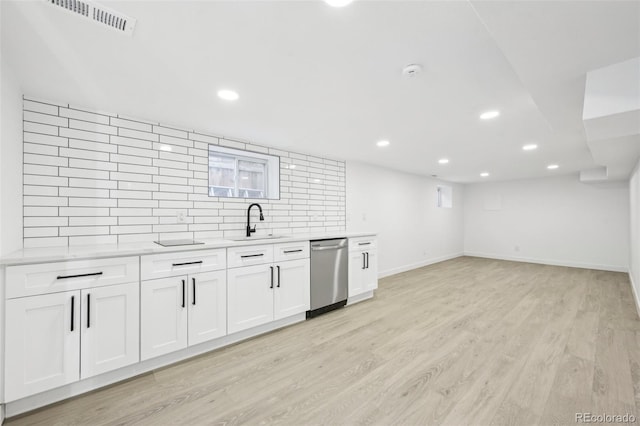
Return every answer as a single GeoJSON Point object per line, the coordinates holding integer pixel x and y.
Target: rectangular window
{"type": "Point", "coordinates": [243, 174]}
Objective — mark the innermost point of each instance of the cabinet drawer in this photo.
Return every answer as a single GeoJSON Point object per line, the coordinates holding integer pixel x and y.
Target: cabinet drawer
{"type": "Point", "coordinates": [182, 263]}
{"type": "Point", "coordinates": [363, 243]}
{"type": "Point", "coordinates": [291, 251]}
{"type": "Point", "coordinates": [250, 255]}
{"type": "Point", "coordinates": [43, 278]}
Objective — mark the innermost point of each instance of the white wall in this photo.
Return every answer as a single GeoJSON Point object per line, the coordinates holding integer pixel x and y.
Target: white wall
{"type": "Point", "coordinates": [555, 220]}
{"type": "Point", "coordinates": [634, 252]}
{"type": "Point", "coordinates": [401, 207]}
{"type": "Point", "coordinates": [10, 161]}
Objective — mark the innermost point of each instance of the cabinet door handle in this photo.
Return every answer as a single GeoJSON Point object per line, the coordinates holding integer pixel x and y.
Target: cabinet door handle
{"type": "Point", "coordinates": [278, 267]}
{"type": "Point", "coordinates": [194, 290]}
{"type": "Point", "coordinates": [292, 251]}
{"type": "Point", "coordinates": [251, 255]}
{"type": "Point", "coordinates": [64, 277]}
{"type": "Point", "coordinates": [367, 260]}
{"type": "Point", "coordinates": [89, 310]}
{"type": "Point", "coordinates": [364, 261]}
{"type": "Point", "coordinates": [187, 263]}
{"type": "Point", "coordinates": [271, 276]}
{"type": "Point", "coordinates": [183, 293]}
{"type": "Point", "coordinates": [73, 300]}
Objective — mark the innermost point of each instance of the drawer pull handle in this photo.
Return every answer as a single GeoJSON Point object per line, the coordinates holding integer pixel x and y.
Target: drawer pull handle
{"type": "Point", "coordinates": [292, 251]}
{"type": "Point", "coordinates": [251, 255]}
{"type": "Point", "coordinates": [188, 263]}
{"type": "Point", "coordinates": [271, 276]}
{"type": "Point", "coordinates": [364, 244]}
{"type": "Point", "coordinates": [64, 277]}
{"type": "Point", "coordinates": [183, 294]}
{"type": "Point", "coordinates": [73, 300]}
{"type": "Point", "coordinates": [194, 290]}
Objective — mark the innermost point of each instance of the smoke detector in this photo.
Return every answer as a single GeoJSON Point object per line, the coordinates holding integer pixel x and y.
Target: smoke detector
{"type": "Point", "coordinates": [412, 70]}
{"type": "Point", "coordinates": [98, 14]}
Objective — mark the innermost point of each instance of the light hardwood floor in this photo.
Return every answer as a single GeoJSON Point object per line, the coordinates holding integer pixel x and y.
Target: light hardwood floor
{"type": "Point", "coordinates": [464, 342]}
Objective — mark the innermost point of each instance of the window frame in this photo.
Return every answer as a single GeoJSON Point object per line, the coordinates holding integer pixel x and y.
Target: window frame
{"type": "Point", "coordinates": [271, 163]}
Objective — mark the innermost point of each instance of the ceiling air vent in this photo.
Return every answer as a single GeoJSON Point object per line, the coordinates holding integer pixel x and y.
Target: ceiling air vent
{"type": "Point", "coordinates": [98, 14]}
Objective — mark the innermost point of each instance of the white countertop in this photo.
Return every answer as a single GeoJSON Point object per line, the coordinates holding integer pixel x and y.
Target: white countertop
{"type": "Point", "coordinates": [57, 254]}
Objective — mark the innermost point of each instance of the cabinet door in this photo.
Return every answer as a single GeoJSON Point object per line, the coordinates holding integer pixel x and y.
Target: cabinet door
{"type": "Point", "coordinates": [293, 281]}
{"type": "Point", "coordinates": [250, 297]}
{"type": "Point", "coordinates": [110, 325]}
{"type": "Point", "coordinates": [42, 343]}
{"type": "Point", "coordinates": [357, 263]}
{"type": "Point", "coordinates": [370, 281]}
{"type": "Point", "coordinates": [207, 306]}
{"type": "Point", "coordinates": [163, 316]}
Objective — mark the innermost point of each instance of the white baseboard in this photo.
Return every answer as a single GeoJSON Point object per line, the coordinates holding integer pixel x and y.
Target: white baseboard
{"type": "Point", "coordinates": [417, 265]}
{"type": "Point", "coordinates": [54, 395]}
{"type": "Point", "coordinates": [636, 296]}
{"type": "Point", "coordinates": [569, 264]}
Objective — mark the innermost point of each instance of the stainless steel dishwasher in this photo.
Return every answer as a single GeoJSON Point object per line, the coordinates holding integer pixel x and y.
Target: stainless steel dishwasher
{"type": "Point", "coordinates": [329, 275]}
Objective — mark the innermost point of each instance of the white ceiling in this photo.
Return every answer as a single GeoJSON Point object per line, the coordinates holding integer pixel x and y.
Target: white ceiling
{"type": "Point", "coordinates": [328, 81]}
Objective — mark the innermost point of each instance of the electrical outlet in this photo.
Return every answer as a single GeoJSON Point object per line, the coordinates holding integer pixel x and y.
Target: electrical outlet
{"type": "Point", "coordinates": [516, 248]}
{"type": "Point", "coordinates": [181, 216]}
{"type": "Point", "coordinates": [364, 217]}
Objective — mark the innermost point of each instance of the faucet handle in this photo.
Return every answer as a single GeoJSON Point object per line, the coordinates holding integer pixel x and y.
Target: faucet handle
{"type": "Point", "coordinates": [252, 230]}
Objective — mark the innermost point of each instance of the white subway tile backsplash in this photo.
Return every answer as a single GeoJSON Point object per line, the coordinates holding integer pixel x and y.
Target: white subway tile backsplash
{"type": "Point", "coordinates": [92, 146]}
{"type": "Point", "coordinates": [92, 183]}
{"type": "Point", "coordinates": [41, 107]}
{"type": "Point", "coordinates": [45, 139]}
{"type": "Point", "coordinates": [92, 221]}
{"type": "Point", "coordinates": [137, 134]}
{"type": "Point", "coordinates": [84, 115]}
{"type": "Point", "coordinates": [97, 178]}
{"type": "Point", "coordinates": [83, 173]}
{"type": "Point", "coordinates": [93, 239]}
{"type": "Point", "coordinates": [170, 132]}
{"type": "Point", "coordinates": [130, 124]}
{"type": "Point", "coordinates": [84, 135]}
{"type": "Point", "coordinates": [93, 127]}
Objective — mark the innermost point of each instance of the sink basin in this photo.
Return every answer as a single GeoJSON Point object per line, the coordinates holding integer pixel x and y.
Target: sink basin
{"type": "Point", "coordinates": [258, 238]}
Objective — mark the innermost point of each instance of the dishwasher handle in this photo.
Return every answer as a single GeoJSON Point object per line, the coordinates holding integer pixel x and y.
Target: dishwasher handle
{"type": "Point", "coordinates": [320, 248]}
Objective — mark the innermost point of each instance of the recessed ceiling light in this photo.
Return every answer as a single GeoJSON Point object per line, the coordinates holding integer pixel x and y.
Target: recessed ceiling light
{"type": "Point", "coordinates": [489, 115]}
{"type": "Point", "coordinates": [530, 147]}
{"type": "Point", "coordinates": [484, 174]}
{"type": "Point", "coordinates": [443, 160]}
{"type": "Point", "coordinates": [552, 166]}
{"type": "Point", "coordinates": [292, 166]}
{"type": "Point", "coordinates": [338, 3]}
{"type": "Point", "coordinates": [316, 180]}
{"type": "Point", "coordinates": [165, 148]}
{"type": "Point", "coordinates": [382, 143]}
{"type": "Point", "coordinates": [244, 177]}
{"type": "Point", "coordinates": [228, 95]}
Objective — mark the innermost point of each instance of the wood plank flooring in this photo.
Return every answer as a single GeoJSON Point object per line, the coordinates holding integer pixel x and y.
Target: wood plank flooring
{"type": "Point", "coordinates": [465, 342]}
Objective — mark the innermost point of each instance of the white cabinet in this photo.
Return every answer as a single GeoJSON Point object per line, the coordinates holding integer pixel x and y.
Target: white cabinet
{"type": "Point", "coordinates": [265, 292]}
{"type": "Point", "coordinates": [177, 312]}
{"type": "Point", "coordinates": [208, 306]}
{"type": "Point", "coordinates": [163, 316]}
{"type": "Point", "coordinates": [59, 338]}
{"type": "Point", "coordinates": [363, 265]}
{"type": "Point", "coordinates": [42, 345]}
{"type": "Point", "coordinates": [250, 296]}
{"type": "Point", "coordinates": [292, 288]}
{"type": "Point", "coordinates": [110, 328]}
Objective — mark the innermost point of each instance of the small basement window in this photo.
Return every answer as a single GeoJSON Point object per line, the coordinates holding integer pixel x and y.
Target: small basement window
{"type": "Point", "coordinates": [445, 196]}
{"type": "Point", "coordinates": [236, 173]}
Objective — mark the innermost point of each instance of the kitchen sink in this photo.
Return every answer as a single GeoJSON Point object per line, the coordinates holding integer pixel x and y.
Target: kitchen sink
{"type": "Point", "coordinates": [258, 238]}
